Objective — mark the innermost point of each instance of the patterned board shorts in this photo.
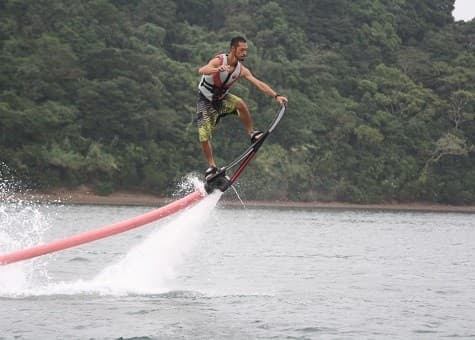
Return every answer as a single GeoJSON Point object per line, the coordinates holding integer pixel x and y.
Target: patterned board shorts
{"type": "Point", "coordinates": [209, 113]}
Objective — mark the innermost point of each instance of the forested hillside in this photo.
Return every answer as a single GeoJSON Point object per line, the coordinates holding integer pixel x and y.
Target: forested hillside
{"type": "Point", "coordinates": [381, 95]}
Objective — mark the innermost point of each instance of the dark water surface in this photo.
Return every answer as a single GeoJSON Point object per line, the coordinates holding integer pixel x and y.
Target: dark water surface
{"type": "Point", "coordinates": [235, 273]}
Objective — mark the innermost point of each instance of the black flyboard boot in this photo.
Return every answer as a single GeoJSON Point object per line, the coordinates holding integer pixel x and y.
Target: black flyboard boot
{"type": "Point", "coordinates": [219, 180]}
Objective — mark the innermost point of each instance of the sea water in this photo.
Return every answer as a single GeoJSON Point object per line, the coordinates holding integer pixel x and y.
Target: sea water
{"type": "Point", "coordinates": [214, 272]}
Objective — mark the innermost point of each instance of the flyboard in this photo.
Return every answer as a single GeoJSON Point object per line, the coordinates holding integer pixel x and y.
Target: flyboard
{"type": "Point", "coordinates": [219, 181]}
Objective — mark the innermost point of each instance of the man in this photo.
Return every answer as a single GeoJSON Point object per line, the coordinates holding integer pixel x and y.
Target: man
{"type": "Point", "coordinates": [215, 101]}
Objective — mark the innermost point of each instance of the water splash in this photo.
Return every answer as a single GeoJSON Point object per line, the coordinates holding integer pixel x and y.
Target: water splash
{"type": "Point", "coordinates": [187, 184]}
{"type": "Point", "coordinates": [22, 225]}
{"type": "Point", "coordinates": [239, 197]}
{"type": "Point", "coordinates": [148, 267]}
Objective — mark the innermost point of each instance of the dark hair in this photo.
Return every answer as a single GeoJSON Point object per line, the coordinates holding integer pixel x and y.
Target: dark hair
{"type": "Point", "coordinates": [236, 40]}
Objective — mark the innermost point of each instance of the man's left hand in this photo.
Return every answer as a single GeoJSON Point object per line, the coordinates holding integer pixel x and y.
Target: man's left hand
{"type": "Point", "coordinates": [281, 100]}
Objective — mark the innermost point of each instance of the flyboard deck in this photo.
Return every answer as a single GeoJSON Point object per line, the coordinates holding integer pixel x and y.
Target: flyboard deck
{"type": "Point", "coordinates": [221, 181]}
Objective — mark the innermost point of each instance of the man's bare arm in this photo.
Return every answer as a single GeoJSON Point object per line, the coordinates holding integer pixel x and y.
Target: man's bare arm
{"type": "Point", "coordinates": [262, 86]}
{"type": "Point", "coordinates": [213, 66]}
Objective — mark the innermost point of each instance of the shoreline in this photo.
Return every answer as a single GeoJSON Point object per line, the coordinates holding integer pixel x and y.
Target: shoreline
{"type": "Point", "coordinates": [86, 196]}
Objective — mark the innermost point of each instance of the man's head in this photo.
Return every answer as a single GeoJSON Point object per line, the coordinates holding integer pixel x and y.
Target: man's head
{"type": "Point", "coordinates": [239, 47]}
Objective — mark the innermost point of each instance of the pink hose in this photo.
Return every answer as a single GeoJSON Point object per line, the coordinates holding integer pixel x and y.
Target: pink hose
{"type": "Point", "coordinates": [102, 232]}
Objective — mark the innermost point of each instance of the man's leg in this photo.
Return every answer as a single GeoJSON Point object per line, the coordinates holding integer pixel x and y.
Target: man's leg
{"type": "Point", "coordinates": [206, 120]}
{"type": "Point", "coordinates": [247, 120]}
{"type": "Point", "coordinates": [208, 151]}
{"type": "Point", "coordinates": [245, 115]}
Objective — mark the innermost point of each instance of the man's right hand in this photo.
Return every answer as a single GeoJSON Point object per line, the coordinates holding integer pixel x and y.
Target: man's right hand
{"type": "Point", "coordinates": [224, 68]}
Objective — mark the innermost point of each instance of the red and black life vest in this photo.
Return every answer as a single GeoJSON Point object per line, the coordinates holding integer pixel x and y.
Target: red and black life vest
{"type": "Point", "coordinates": [215, 86]}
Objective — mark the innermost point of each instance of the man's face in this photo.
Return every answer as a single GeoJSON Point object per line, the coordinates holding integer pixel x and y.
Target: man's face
{"type": "Point", "coordinates": [240, 51]}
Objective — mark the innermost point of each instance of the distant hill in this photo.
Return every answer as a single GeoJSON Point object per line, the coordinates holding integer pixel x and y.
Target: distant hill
{"type": "Point", "coordinates": [381, 95]}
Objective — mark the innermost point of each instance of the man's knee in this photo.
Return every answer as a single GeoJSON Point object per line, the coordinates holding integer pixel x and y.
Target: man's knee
{"type": "Point", "coordinates": [242, 107]}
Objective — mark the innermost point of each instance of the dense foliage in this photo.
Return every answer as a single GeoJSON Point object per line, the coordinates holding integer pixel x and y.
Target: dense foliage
{"type": "Point", "coordinates": [381, 95]}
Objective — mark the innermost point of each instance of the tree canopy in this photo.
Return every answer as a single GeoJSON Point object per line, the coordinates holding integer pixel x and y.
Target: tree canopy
{"type": "Point", "coordinates": [381, 95]}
